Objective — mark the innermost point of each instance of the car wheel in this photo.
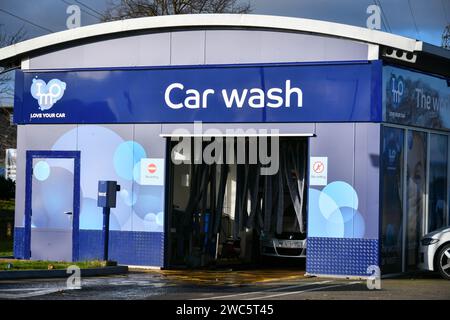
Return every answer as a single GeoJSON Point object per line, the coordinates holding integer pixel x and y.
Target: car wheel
{"type": "Point", "coordinates": [443, 262]}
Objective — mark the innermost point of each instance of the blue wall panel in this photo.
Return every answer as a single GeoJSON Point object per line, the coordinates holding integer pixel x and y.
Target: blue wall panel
{"type": "Point", "coordinates": [90, 244]}
{"type": "Point", "coordinates": [341, 256]}
{"type": "Point", "coordinates": [125, 247]}
{"type": "Point", "coordinates": [19, 243]}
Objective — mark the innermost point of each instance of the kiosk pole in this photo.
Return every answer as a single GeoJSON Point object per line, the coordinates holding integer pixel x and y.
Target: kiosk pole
{"type": "Point", "coordinates": [106, 199]}
{"type": "Point", "coordinates": [106, 212]}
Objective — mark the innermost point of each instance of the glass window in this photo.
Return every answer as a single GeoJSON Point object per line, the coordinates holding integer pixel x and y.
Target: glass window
{"type": "Point", "coordinates": [392, 209]}
{"type": "Point", "coordinates": [415, 187]}
{"type": "Point", "coordinates": [438, 181]}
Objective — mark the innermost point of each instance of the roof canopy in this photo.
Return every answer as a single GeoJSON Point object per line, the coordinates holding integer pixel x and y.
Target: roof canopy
{"type": "Point", "coordinates": [220, 21]}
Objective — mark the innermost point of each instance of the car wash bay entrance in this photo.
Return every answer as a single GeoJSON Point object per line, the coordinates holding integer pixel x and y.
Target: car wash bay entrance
{"type": "Point", "coordinates": [220, 212]}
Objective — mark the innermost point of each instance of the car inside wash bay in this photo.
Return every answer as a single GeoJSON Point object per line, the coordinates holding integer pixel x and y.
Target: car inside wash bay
{"type": "Point", "coordinates": [233, 138]}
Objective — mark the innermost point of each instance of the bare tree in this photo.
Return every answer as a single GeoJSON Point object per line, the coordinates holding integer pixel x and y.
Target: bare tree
{"type": "Point", "coordinates": [9, 39]}
{"type": "Point", "coordinates": [446, 38]}
{"type": "Point", "coordinates": [7, 132]}
{"type": "Point", "coordinates": [143, 8]}
{"type": "Point", "coordinates": [6, 39]}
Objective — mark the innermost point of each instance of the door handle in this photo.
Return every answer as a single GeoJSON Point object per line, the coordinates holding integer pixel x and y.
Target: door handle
{"type": "Point", "coordinates": [68, 213]}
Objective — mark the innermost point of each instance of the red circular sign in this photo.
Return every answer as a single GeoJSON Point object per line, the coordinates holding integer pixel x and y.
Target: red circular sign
{"type": "Point", "coordinates": [151, 168]}
{"type": "Point", "coordinates": [318, 167]}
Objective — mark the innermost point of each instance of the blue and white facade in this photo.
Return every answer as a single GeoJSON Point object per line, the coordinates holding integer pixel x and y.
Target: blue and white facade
{"type": "Point", "coordinates": [101, 108]}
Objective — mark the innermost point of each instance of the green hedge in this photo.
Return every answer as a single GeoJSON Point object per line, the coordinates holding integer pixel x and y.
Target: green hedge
{"type": "Point", "coordinates": [6, 248]}
{"type": "Point", "coordinates": [7, 188]}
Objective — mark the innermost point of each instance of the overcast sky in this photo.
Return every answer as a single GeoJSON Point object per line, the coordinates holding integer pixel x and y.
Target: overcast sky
{"type": "Point", "coordinates": [419, 19]}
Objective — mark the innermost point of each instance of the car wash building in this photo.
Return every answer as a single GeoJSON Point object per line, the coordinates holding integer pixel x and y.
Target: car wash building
{"type": "Point", "coordinates": [359, 120]}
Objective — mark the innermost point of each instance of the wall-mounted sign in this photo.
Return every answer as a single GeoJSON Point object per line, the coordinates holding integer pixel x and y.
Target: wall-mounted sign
{"type": "Point", "coordinates": [251, 93]}
{"type": "Point", "coordinates": [414, 98]}
{"type": "Point", "coordinates": [152, 172]}
{"type": "Point", "coordinates": [318, 171]}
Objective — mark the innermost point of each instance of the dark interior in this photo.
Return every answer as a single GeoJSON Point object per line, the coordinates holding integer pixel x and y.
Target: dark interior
{"type": "Point", "coordinates": [217, 213]}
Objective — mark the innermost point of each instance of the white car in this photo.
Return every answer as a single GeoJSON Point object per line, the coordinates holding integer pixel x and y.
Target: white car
{"type": "Point", "coordinates": [285, 245]}
{"type": "Point", "coordinates": [435, 252]}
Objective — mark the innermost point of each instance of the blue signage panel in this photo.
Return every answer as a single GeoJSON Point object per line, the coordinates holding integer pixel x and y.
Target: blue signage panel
{"type": "Point", "coordinates": [268, 93]}
{"type": "Point", "coordinates": [417, 99]}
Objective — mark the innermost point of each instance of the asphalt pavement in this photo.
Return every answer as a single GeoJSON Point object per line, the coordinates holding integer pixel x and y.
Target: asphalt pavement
{"type": "Point", "coordinates": [227, 284]}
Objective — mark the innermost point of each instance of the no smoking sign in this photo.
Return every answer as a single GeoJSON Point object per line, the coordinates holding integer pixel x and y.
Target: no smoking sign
{"type": "Point", "coordinates": [318, 167]}
{"type": "Point", "coordinates": [318, 171]}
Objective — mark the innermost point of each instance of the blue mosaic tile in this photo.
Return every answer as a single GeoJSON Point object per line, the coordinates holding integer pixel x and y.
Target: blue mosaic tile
{"type": "Point", "coordinates": [19, 243]}
{"type": "Point", "coordinates": [341, 256]}
{"type": "Point", "coordinates": [125, 247]}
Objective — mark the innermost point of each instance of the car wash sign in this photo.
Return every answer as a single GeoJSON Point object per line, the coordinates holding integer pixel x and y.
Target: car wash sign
{"type": "Point", "coordinates": [413, 98]}
{"type": "Point", "coordinates": [268, 93]}
{"type": "Point", "coordinates": [234, 98]}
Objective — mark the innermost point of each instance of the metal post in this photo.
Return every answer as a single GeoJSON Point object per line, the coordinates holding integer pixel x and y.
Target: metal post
{"type": "Point", "coordinates": [106, 212]}
{"type": "Point", "coordinates": [405, 200]}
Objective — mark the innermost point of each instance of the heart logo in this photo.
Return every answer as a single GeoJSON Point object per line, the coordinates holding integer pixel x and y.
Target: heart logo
{"type": "Point", "coordinates": [47, 94]}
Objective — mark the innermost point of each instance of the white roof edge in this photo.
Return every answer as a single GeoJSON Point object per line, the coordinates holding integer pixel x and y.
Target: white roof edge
{"type": "Point", "coordinates": [213, 20]}
{"type": "Point", "coordinates": [225, 135]}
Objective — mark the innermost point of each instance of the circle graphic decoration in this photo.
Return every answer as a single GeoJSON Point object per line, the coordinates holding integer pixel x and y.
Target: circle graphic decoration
{"type": "Point", "coordinates": [41, 170]}
{"type": "Point", "coordinates": [126, 156]}
{"type": "Point", "coordinates": [334, 212]}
